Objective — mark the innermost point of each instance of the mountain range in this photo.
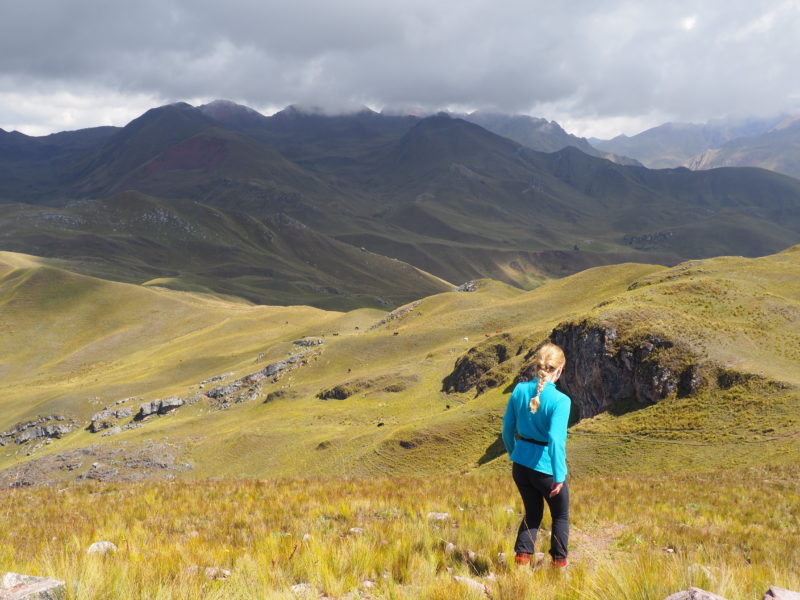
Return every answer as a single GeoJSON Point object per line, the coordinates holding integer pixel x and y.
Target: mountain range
{"type": "Point", "coordinates": [222, 199]}
{"type": "Point", "coordinates": [765, 143]}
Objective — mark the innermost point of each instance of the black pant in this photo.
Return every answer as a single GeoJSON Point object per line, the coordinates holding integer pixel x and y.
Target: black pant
{"type": "Point", "coordinates": [534, 487]}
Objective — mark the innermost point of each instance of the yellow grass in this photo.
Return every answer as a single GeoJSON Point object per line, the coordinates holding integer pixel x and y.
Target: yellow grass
{"type": "Point", "coordinates": [731, 532]}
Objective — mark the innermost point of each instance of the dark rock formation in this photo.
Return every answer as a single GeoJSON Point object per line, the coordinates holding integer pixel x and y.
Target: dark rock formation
{"type": "Point", "coordinates": [473, 369]}
{"type": "Point", "coordinates": [601, 369]}
{"type": "Point", "coordinates": [158, 407]}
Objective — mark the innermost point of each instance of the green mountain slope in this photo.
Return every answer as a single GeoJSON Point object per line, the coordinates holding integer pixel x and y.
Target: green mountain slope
{"type": "Point", "coordinates": [370, 398]}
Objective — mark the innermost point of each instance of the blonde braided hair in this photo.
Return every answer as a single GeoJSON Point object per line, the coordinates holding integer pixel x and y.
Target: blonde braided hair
{"type": "Point", "coordinates": [548, 359]}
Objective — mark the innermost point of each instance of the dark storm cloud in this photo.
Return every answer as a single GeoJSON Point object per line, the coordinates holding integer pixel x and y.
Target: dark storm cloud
{"type": "Point", "coordinates": [590, 60]}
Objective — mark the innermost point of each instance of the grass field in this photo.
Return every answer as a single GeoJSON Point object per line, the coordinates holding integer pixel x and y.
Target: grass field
{"type": "Point", "coordinates": [645, 536]}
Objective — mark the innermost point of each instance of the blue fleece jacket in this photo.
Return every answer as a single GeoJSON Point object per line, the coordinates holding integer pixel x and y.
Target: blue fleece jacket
{"type": "Point", "coordinates": [548, 424]}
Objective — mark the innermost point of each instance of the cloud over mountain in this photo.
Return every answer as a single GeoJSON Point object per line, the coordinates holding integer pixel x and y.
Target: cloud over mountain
{"type": "Point", "coordinates": [582, 59]}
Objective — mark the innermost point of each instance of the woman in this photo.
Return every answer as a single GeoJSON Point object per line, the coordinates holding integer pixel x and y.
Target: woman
{"type": "Point", "coordinates": [535, 435]}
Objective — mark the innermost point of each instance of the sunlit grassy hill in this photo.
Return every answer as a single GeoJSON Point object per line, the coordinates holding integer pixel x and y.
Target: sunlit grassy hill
{"type": "Point", "coordinates": [369, 399]}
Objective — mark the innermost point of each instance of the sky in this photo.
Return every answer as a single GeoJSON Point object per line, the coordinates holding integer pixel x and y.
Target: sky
{"type": "Point", "coordinates": [598, 68]}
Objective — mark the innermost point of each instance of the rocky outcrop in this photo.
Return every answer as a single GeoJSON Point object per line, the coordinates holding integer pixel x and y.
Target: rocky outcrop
{"type": "Point", "coordinates": [469, 286]}
{"type": "Point", "coordinates": [53, 426]}
{"type": "Point", "coordinates": [602, 369]}
{"type": "Point", "coordinates": [398, 313]}
{"type": "Point", "coordinates": [776, 593]}
{"type": "Point", "coordinates": [14, 586]}
{"type": "Point", "coordinates": [107, 419]}
{"type": "Point", "coordinates": [309, 341]}
{"type": "Point", "coordinates": [158, 407]}
{"type": "Point", "coordinates": [478, 368]}
{"type": "Point", "coordinates": [248, 388]}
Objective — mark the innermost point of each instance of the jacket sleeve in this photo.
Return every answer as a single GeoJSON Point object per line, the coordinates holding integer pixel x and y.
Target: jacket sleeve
{"type": "Point", "coordinates": [557, 439]}
{"type": "Point", "coordinates": [510, 422]}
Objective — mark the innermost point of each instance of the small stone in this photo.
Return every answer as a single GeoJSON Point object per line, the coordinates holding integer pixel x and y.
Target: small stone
{"type": "Point", "coordinates": [450, 548]}
{"type": "Point", "coordinates": [102, 548]}
{"type": "Point", "coordinates": [356, 530]}
{"type": "Point", "coordinates": [438, 516]}
{"type": "Point", "coordinates": [471, 555]}
{"type": "Point", "coordinates": [694, 593]}
{"type": "Point", "coordinates": [216, 573]}
{"type": "Point", "coordinates": [368, 584]}
{"type": "Point", "coordinates": [306, 537]}
{"type": "Point", "coordinates": [501, 558]}
{"type": "Point", "coordinates": [472, 584]}
{"type": "Point", "coordinates": [302, 589]}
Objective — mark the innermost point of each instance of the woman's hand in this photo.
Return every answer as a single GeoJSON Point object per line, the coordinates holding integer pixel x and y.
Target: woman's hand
{"type": "Point", "coordinates": [556, 488]}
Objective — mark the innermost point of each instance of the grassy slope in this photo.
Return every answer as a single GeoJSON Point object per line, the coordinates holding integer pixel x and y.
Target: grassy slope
{"type": "Point", "coordinates": [124, 340]}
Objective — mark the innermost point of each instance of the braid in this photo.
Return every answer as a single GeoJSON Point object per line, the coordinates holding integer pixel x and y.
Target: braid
{"type": "Point", "coordinates": [549, 357]}
{"type": "Point", "coordinates": [541, 373]}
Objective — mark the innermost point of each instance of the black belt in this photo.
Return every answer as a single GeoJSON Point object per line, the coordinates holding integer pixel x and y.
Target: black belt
{"type": "Point", "coordinates": [519, 437]}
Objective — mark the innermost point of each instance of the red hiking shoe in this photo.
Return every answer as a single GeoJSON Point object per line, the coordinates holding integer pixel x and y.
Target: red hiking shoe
{"type": "Point", "coordinates": [522, 558]}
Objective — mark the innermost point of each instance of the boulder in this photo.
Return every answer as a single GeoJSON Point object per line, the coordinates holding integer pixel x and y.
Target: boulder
{"type": "Point", "coordinates": [102, 548]}
{"type": "Point", "coordinates": [14, 586]}
{"type": "Point", "coordinates": [694, 593]}
{"type": "Point", "coordinates": [158, 407]}
{"type": "Point", "coordinates": [776, 593]}
{"type": "Point", "coordinates": [104, 419]}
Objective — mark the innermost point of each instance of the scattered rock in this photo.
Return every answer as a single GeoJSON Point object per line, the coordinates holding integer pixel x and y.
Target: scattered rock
{"type": "Point", "coordinates": [776, 593]}
{"type": "Point", "coordinates": [356, 530]}
{"type": "Point", "coordinates": [469, 286]}
{"type": "Point", "coordinates": [396, 314]}
{"type": "Point", "coordinates": [450, 548]}
{"type": "Point", "coordinates": [14, 586]}
{"type": "Point", "coordinates": [302, 589]}
{"type": "Point", "coordinates": [309, 341]}
{"type": "Point", "coordinates": [209, 572]}
{"type": "Point", "coordinates": [102, 548]}
{"type": "Point", "coordinates": [248, 388]}
{"type": "Point", "coordinates": [694, 593]}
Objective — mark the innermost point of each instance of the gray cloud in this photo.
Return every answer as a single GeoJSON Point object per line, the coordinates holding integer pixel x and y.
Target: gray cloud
{"type": "Point", "coordinates": [583, 60]}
